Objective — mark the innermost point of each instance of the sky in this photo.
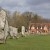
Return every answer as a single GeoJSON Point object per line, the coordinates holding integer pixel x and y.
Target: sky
{"type": "Point", "coordinates": [41, 7]}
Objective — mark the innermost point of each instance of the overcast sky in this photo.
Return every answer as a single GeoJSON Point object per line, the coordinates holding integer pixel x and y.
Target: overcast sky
{"type": "Point", "coordinates": [42, 7]}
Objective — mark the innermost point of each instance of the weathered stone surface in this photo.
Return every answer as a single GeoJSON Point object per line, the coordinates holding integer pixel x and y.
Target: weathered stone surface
{"type": "Point", "coordinates": [13, 31]}
{"type": "Point", "coordinates": [3, 26]}
{"type": "Point", "coordinates": [23, 30]}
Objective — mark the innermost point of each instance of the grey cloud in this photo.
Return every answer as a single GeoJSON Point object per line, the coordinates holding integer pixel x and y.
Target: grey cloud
{"type": "Point", "coordinates": [28, 5]}
{"type": "Point", "coordinates": [22, 3]}
{"type": "Point", "coordinates": [36, 2]}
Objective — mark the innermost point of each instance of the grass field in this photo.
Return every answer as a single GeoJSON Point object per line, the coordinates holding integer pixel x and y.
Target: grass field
{"type": "Point", "coordinates": [32, 42]}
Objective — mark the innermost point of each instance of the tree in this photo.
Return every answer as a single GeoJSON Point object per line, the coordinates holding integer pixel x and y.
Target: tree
{"type": "Point", "coordinates": [36, 19]}
{"type": "Point", "coordinates": [26, 18]}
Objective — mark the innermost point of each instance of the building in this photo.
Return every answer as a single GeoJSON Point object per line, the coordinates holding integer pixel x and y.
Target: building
{"type": "Point", "coordinates": [39, 27]}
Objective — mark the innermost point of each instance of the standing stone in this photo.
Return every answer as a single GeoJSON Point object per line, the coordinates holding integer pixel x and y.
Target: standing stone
{"type": "Point", "coordinates": [23, 30]}
{"type": "Point", "coordinates": [2, 26]}
{"type": "Point", "coordinates": [13, 31]}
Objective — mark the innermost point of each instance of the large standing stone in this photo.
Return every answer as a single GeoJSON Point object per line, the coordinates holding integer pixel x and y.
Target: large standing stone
{"type": "Point", "coordinates": [3, 28]}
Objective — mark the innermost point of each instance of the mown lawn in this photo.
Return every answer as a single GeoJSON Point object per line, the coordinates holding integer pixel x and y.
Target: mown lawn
{"type": "Point", "coordinates": [32, 42]}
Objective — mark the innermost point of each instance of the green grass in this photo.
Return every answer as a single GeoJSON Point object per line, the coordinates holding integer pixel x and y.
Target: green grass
{"type": "Point", "coordinates": [32, 42]}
